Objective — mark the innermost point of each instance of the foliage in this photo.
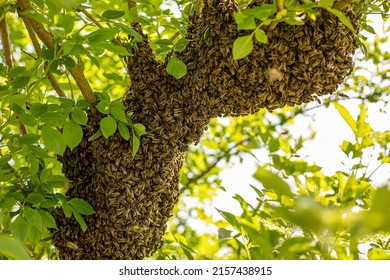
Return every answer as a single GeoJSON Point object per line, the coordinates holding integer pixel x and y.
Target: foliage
{"type": "Point", "coordinates": [43, 111]}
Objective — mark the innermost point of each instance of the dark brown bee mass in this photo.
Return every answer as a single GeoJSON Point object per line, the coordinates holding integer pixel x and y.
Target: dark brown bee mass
{"type": "Point", "coordinates": [134, 198]}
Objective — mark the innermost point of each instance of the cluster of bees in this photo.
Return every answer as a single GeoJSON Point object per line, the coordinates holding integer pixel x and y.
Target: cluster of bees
{"type": "Point", "coordinates": [135, 197]}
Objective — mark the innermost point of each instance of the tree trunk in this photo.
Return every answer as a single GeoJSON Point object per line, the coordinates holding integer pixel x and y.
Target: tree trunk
{"type": "Point", "coordinates": [134, 198]}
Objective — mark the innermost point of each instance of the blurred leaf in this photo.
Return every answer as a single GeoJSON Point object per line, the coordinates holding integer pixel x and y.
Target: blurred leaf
{"type": "Point", "coordinates": [378, 254]}
{"type": "Point", "coordinates": [272, 182]}
{"type": "Point", "coordinates": [232, 220]}
{"type": "Point", "coordinates": [113, 14]}
{"type": "Point", "coordinates": [20, 228]}
{"type": "Point", "coordinates": [346, 116]}
{"type": "Point", "coordinates": [12, 249]}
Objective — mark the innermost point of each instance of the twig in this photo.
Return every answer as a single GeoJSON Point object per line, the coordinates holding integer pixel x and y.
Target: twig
{"type": "Point", "coordinates": [131, 4]}
{"type": "Point", "coordinates": [55, 83]}
{"type": "Point", "coordinates": [91, 18]}
{"type": "Point", "coordinates": [211, 166]}
{"type": "Point", "coordinates": [48, 40]}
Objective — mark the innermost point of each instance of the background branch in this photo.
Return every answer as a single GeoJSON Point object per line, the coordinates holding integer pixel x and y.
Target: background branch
{"type": "Point", "coordinates": [48, 40]}
{"type": "Point", "coordinates": [7, 51]}
{"type": "Point", "coordinates": [6, 43]}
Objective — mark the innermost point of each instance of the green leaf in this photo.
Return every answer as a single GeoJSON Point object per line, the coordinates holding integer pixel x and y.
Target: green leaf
{"type": "Point", "coordinates": [53, 140]}
{"type": "Point", "coordinates": [181, 44]}
{"type": "Point", "coordinates": [67, 4]}
{"type": "Point", "coordinates": [20, 81]}
{"type": "Point", "coordinates": [119, 115]}
{"type": "Point", "coordinates": [104, 106]}
{"type": "Point", "coordinates": [29, 138]}
{"type": "Point", "coordinates": [163, 42]}
{"type": "Point", "coordinates": [260, 36]}
{"type": "Point", "coordinates": [81, 221]}
{"type": "Point", "coordinates": [108, 126]}
{"type": "Point", "coordinates": [378, 254]}
{"type": "Point", "coordinates": [139, 129]}
{"type": "Point", "coordinates": [176, 68]}
{"type": "Point", "coordinates": [81, 206]}
{"type": "Point", "coordinates": [326, 3]}
{"type": "Point", "coordinates": [67, 209]}
{"type": "Point", "coordinates": [20, 228]}
{"type": "Point", "coordinates": [242, 47]}
{"type": "Point", "coordinates": [35, 198]}
{"type": "Point", "coordinates": [102, 35]}
{"type": "Point", "coordinates": [272, 182]}
{"type": "Point", "coordinates": [33, 217]}
{"type": "Point", "coordinates": [73, 134]}
{"type": "Point", "coordinates": [113, 14]}
{"type": "Point", "coordinates": [124, 130]}
{"type": "Point", "coordinates": [119, 50]}
{"type": "Point", "coordinates": [346, 116]}
{"type": "Point", "coordinates": [342, 18]}
{"type": "Point", "coordinates": [12, 249]}
{"type": "Point", "coordinates": [136, 144]}
{"type": "Point", "coordinates": [95, 135]}
{"type": "Point", "coordinates": [232, 220]}
{"type": "Point", "coordinates": [47, 219]}
{"type": "Point", "coordinates": [130, 31]}
{"type": "Point", "coordinates": [79, 116]}
{"type": "Point", "coordinates": [47, 54]}
{"type": "Point", "coordinates": [265, 11]}
{"type": "Point", "coordinates": [245, 22]}
{"type": "Point", "coordinates": [224, 234]}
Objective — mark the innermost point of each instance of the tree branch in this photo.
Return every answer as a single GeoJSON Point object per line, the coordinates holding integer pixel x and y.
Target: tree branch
{"type": "Point", "coordinates": [48, 40]}
{"type": "Point", "coordinates": [131, 4]}
{"type": "Point", "coordinates": [55, 83]}
{"type": "Point", "coordinates": [6, 43]}
{"type": "Point", "coordinates": [91, 18]}
{"type": "Point", "coordinates": [37, 48]}
{"type": "Point", "coordinates": [7, 50]}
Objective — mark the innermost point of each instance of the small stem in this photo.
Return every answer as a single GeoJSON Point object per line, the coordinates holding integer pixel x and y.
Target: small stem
{"type": "Point", "coordinates": [280, 4]}
{"type": "Point", "coordinates": [55, 84]}
{"type": "Point", "coordinates": [131, 4]}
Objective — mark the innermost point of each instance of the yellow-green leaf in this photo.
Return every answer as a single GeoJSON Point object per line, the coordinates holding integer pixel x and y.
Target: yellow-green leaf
{"type": "Point", "coordinates": [242, 47]}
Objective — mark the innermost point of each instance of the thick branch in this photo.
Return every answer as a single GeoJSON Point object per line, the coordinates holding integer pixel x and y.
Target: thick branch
{"type": "Point", "coordinates": [48, 40]}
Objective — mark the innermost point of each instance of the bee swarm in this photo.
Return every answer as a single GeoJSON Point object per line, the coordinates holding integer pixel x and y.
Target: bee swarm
{"type": "Point", "coordinates": [134, 198]}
